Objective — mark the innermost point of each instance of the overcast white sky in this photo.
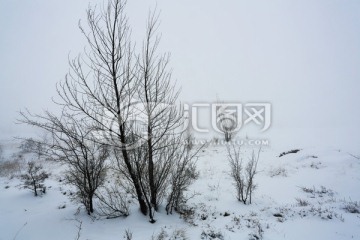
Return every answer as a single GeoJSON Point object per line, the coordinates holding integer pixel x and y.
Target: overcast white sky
{"type": "Point", "coordinates": [302, 56]}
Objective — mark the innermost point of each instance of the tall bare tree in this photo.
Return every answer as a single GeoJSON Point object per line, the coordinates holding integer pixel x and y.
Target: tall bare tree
{"type": "Point", "coordinates": [98, 96]}
{"type": "Point", "coordinates": [101, 83]}
{"type": "Point", "coordinates": [158, 95]}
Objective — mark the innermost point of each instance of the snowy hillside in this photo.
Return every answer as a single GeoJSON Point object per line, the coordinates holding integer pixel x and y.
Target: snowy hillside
{"type": "Point", "coordinates": [305, 195]}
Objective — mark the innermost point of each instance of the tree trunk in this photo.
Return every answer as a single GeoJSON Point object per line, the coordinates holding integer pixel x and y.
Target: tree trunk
{"type": "Point", "coordinates": [227, 137]}
{"type": "Point", "coordinates": [135, 179]}
{"type": "Point", "coordinates": [35, 191]}
{"type": "Point", "coordinates": [91, 207]}
{"type": "Point", "coordinates": [153, 192]}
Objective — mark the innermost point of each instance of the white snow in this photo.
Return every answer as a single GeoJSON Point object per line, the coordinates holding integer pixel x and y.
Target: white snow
{"type": "Point", "coordinates": [332, 173]}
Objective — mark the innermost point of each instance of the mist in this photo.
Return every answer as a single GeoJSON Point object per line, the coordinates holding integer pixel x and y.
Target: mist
{"type": "Point", "coordinates": [303, 57]}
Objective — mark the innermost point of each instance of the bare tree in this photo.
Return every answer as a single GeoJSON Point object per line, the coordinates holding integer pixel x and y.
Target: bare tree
{"type": "Point", "coordinates": [147, 167]}
{"type": "Point", "coordinates": [251, 170]}
{"type": "Point", "coordinates": [158, 96]}
{"type": "Point", "coordinates": [182, 176]}
{"type": "Point", "coordinates": [99, 107]}
{"type": "Point", "coordinates": [138, 158]}
{"type": "Point", "coordinates": [101, 84]}
{"type": "Point", "coordinates": [34, 178]}
{"type": "Point", "coordinates": [72, 145]}
{"type": "Point", "coordinates": [243, 177]}
{"type": "Point", "coordinates": [175, 171]}
{"type": "Point", "coordinates": [30, 145]}
{"type": "Point", "coordinates": [228, 127]}
{"type": "Point", "coordinates": [227, 124]}
{"type": "Point", "coordinates": [226, 119]}
{"type": "Point", "coordinates": [87, 172]}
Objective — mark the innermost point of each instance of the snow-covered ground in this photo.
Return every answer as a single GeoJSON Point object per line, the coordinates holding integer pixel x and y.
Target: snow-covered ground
{"type": "Point", "coordinates": [299, 196]}
{"type": "Point", "coordinates": [302, 57]}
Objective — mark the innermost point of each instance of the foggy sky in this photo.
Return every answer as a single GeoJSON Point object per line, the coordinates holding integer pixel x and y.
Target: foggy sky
{"type": "Point", "coordinates": [301, 56]}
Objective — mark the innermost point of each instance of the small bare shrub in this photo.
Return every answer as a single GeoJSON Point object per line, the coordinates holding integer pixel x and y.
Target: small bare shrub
{"type": "Point", "coordinates": [188, 214]}
{"type": "Point", "coordinates": [243, 177]}
{"type": "Point", "coordinates": [323, 191]}
{"type": "Point", "coordinates": [352, 207]}
{"type": "Point", "coordinates": [183, 174]}
{"type": "Point", "coordinates": [178, 234]}
{"type": "Point", "coordinates": [315, 165]}
{"type": "Point", "coordinates": [211, 234]}
{"type": "Point", "coordinates": [308, 190]}
{"type": "Point", "coordinates": [128, 235]}
{"type": "Point", "coordinates": [9, 168]}
{"type": "Point", "coordinates": [162, 235]}
{"type": "Point", "coordinates": [258, 232]}
{"type": "Point", "coordinates": [13, 166]}
{"type": "Point", "coordinates": [113, 203]}
{"type": "Point", "coordinates": [280, 171]}
{"type": "Point", "coordinates": [34, 178]}
{"type": "Point", "coordinates": [79, 227]}
{"type": "Point", "coordinates": [302, 202]}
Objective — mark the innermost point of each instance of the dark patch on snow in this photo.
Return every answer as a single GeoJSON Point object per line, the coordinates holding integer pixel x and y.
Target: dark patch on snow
{"type": "Point", "coordinates": [288, 152]}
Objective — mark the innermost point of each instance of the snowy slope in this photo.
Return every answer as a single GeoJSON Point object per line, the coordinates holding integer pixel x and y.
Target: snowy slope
{"type": "Point", "coordinates": [329, 176]}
